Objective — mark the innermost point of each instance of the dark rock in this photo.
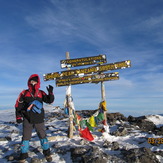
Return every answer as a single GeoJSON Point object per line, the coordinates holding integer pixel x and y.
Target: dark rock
{"type": "Point", "coordinates": [146, 125]}
{"type": "Point", "coordinates": [16, 147]}
{"type": "Point", "coordinates": [35, 150]}
{"type": "Point", "coordinates": [10, 158]}
{"type": "Point", "coordinates": [106, 144]}
{"type": "Point", "coordinates": [88, 154]}
{"type": "Point", "coordinates": [7, 138]}
{"type": "Point", "coordinates": [113, 117]}
{"type": "Point", "coordinates": [84, 142]}
{"type": "Point", "coordinates": [158, 153]}
{"type": "Point", "coordinates": [3, 139]}
{"type": "Point", "coordinates": [140, 155]}
{"type": "Point", "coordinates": [95, 155]}
{"type": "Point", "coordinates": [15, 131]}
{"type": "Point", "coordinates": [121, 131]}
{"type": "Point", "coordinates": [159, 131]}
{"type": "Point", "coordinates": [62, 149]}
{"type": "Point", "coordinates": [115, 146]}
{"type": "Point", "coordinates": [35, 160]}
{"type": "Point", "coordinates": [79, 151]}
{"type": "Point", "coordinates": [131, 119]}
{"type": "Point", "coordinates": [142, 122]}
{"type": "Point", "coordinates": [86, 113]}
{"type": "Point", "coordinates": [134, 120]}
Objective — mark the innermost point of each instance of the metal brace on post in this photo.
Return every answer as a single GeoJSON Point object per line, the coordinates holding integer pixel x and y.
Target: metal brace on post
{"type": "Point", "coordinates": [70, 129]}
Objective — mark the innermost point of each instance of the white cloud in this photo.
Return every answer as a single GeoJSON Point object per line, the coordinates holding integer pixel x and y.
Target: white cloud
{"type": "Point", "coordinates": [151, 27]}
{"type": "Point", "coordinates": [80, 22]}
{"type": "Point", "coordinates": [154, 22]}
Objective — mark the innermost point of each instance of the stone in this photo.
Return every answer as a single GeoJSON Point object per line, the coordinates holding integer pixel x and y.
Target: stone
{"type": "Point", "coordinates": [159, 131]}
{"type": "Point", "coordinates": [113, 117]}
{"type": "Point", "coordinates": [146, 125]}
{"type": "Point", "coordinates": [106, 144]}
{"type": "Point", "coordinates": [95, 155]}
{"type": "Point", "coordinates": [121, 131]}
{"type": "Point", "coordinates": [139, 155]}
{"type": "Point", "coordinates": [6, 138]}
{"type": "Point", "coordinates": [79, 151]}
{"type": "Point", "coordinates": [115, 146]}
{"type": "Point", "coordinates": [10, 158]}
{"type": "Point", "coordinates": [143, 123]}
{"type": "Point", "coordinates": [35, 160]}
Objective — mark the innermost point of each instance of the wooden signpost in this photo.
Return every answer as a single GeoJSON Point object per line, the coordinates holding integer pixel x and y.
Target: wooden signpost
{"type": "Point", "coordinates": [83, 61]}
{"type": "Point", "coordinates": [68, 98]}
{"type": "Point", "coordinates": [86, 79]}
{"type": "Point", "coordinates": [94, 74]}
{"type": "Point", "coordinates": [89, 70]}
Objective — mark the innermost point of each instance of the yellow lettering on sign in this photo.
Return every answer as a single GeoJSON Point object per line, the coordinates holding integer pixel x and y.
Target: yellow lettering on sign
{"type": "Point", "coordinates": [83, 61]}
{"type": "Point", "coordinates": [87, 59]}
{"type": "Point", "coordinates": [82, 80]}
{"type": "Point", "coordinates": [89, 70]}
{"type": "Point", "coordinates": [51, 76]}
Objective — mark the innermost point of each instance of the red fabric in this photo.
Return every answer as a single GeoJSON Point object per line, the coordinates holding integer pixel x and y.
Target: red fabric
{"type": "Point", "coordinates": [18, 99]}
{"type": "Point", "coordinates": [104, 122]}
{"type": "Point", "coordinates": [37, 86]}
{"type": "Point", "coordinates": [86, 134]}
{"type": "Point", "coordinates": [78, 117]}
{"type": "Point", "coordinates": [18, 118]}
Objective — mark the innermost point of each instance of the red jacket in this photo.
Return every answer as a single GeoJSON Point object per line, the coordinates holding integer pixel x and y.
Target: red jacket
{"type": "Point", "coordinates": [28, 96]}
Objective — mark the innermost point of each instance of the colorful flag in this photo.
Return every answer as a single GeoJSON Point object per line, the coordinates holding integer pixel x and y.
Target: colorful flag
{"type": "Point", "coordinates": [92, 121]}
{"type": "Point", "coordinates": [86, 134]}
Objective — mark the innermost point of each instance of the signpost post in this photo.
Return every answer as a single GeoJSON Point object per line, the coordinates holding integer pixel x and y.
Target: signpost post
{"type": "Point", "coordinates": [68, 98]}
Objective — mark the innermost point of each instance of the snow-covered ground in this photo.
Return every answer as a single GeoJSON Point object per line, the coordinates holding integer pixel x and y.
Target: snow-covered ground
{"type": "Point", "coordinates": [10, 138]}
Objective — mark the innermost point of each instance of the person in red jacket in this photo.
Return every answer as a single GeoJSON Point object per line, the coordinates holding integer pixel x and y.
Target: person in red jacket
{"type": "Point", "coordinates": [29, 110]}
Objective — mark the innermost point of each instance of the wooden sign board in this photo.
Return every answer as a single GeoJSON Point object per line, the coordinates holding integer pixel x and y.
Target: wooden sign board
{"type": "Point", "coordinates": [86, 79]}
{"type": "Point", "coordinates": [68, 63]}
{"type": "Point", "coordinates": [89, 70]}
{"type": "Point", "coordinates": [51, 76]}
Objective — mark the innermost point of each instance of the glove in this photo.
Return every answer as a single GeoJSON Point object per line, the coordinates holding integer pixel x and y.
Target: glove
{"type": "Point", "coordinates": [50, 89]}
{"type": "Point", "coordinates": [19, 120]}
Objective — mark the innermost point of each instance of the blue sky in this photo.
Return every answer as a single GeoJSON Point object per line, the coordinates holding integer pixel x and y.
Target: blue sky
{"type": "Point", "coordinates": [35, 36]}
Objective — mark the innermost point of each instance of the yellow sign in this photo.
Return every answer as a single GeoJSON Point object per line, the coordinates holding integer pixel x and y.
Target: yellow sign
{"type": "Point", "coordinates": [87, 79]}
{"type": "Point", "coordinates": [51, 76]}
{"type": "Point", "coordinates": [89, 70]}
{"type": "Point", "coordinates": [83, 61]}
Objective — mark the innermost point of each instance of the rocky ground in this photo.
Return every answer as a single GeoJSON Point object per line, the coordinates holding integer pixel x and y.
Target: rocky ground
{"type": "Point", "coordinates": [127, 141]}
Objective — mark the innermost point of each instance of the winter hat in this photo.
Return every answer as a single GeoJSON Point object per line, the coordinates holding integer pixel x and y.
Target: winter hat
{"type": "Point", "coordinates": [35, 78]}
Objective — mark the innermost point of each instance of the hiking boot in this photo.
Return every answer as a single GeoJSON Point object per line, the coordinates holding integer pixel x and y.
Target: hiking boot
{"type": "Point", "coordinates": [49, 158]}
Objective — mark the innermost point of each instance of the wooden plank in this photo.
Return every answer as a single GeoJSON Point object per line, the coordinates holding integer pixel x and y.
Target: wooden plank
{"type": "Point", "coordinates": [51, 76]}
{"type": "Point", "coordinates": [87, 79]}
{"type": "Point", "coordinates": [100, 59]}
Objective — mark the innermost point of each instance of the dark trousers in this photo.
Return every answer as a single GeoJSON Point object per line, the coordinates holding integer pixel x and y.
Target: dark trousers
{"type": "Point", "coordinates": [28, 127]}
